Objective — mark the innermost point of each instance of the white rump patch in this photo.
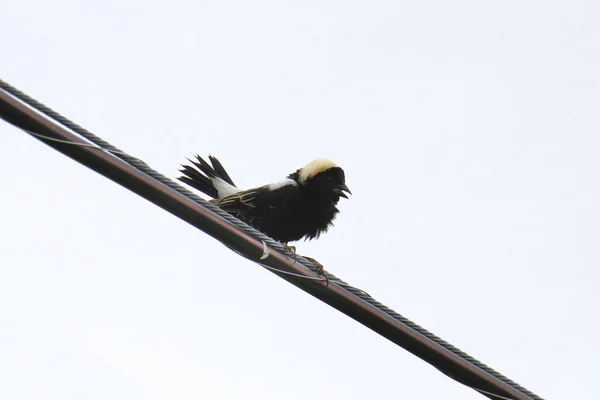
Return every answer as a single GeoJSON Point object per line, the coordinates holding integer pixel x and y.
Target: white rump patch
{"type": "Point", "coordinates": [282, 183]}
{"type": "Point", "coordinates": [314, 167]}
{"type": "Point", "coordinates": [224, 189]}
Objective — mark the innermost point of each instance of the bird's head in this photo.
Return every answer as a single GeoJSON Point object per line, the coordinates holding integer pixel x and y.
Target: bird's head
{"type": "Point", "coordinates": [324, 177]}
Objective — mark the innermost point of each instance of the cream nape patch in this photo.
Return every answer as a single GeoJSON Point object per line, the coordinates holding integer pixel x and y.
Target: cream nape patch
{"type": "Point", "coordinates": [314, 167]}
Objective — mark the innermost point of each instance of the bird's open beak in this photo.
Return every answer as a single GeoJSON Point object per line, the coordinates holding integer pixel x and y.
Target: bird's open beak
{"type": "Point", "coordinates": [340, 189]}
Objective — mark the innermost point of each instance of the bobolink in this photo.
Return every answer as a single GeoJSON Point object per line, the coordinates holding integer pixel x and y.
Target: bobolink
{"type": "Point", "coordinates": [303, 205]}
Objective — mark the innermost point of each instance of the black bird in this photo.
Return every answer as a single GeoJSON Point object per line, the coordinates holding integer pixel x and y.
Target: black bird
{"type": "Point", "coordinates": [303, 205]}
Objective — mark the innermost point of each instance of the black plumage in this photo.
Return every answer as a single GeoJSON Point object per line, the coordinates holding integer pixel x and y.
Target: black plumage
{"type": "Point", "coordinates": [301, 206]}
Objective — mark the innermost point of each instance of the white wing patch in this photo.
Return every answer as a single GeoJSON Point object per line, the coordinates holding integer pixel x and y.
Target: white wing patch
{"type": "Point", "coordinates": [282, 183]}
{"type": "Point", "coordinates": [224, 189]}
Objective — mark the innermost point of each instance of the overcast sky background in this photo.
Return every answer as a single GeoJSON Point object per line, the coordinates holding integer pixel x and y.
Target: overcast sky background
{"type": "Point", "coordinates": [469, 132]}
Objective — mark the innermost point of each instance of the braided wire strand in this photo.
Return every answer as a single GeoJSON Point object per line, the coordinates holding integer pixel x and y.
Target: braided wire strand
{"type": "Point", "coordinates": [145, 168]}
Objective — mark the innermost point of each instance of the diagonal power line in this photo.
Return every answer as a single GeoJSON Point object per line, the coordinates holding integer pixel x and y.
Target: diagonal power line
{"type": "Point", "coordinates": [81, 145]}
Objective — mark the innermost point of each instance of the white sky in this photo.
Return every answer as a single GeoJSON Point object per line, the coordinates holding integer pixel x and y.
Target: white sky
{"type": "Point", "coordinates": [469, 136]}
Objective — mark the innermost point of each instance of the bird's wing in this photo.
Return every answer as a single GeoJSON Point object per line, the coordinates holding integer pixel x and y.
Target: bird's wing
{"type": "Point", "coordinates": [257, 200]}
{"type": "Point", "coordinates": [240, 202]}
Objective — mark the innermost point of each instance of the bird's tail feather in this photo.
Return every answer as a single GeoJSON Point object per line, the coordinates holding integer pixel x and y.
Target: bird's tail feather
{"type": "Point", "coordinates": [218, 168]}
{"type": "Point", "coordinates": [202, 176]}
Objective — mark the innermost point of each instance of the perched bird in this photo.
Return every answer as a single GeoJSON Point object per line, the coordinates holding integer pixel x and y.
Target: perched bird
{"type": "Point", "coordinates": [303, 205]}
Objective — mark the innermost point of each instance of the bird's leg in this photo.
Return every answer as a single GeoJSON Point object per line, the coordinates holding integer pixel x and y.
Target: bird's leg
{"type": "Point", "coordinates": [291, 250]}
{"type": "Point", "coordinates": [319, 269]}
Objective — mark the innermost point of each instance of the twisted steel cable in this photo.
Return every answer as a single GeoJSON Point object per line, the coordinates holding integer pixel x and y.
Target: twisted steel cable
{"type": "Point", "coordinates": [143, 167]}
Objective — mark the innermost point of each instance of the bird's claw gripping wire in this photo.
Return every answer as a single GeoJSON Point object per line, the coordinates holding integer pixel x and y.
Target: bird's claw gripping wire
{"type": "Point", "coordinates": [291, 251]}
{"type": "Point", "coordinates": [319, 269]}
